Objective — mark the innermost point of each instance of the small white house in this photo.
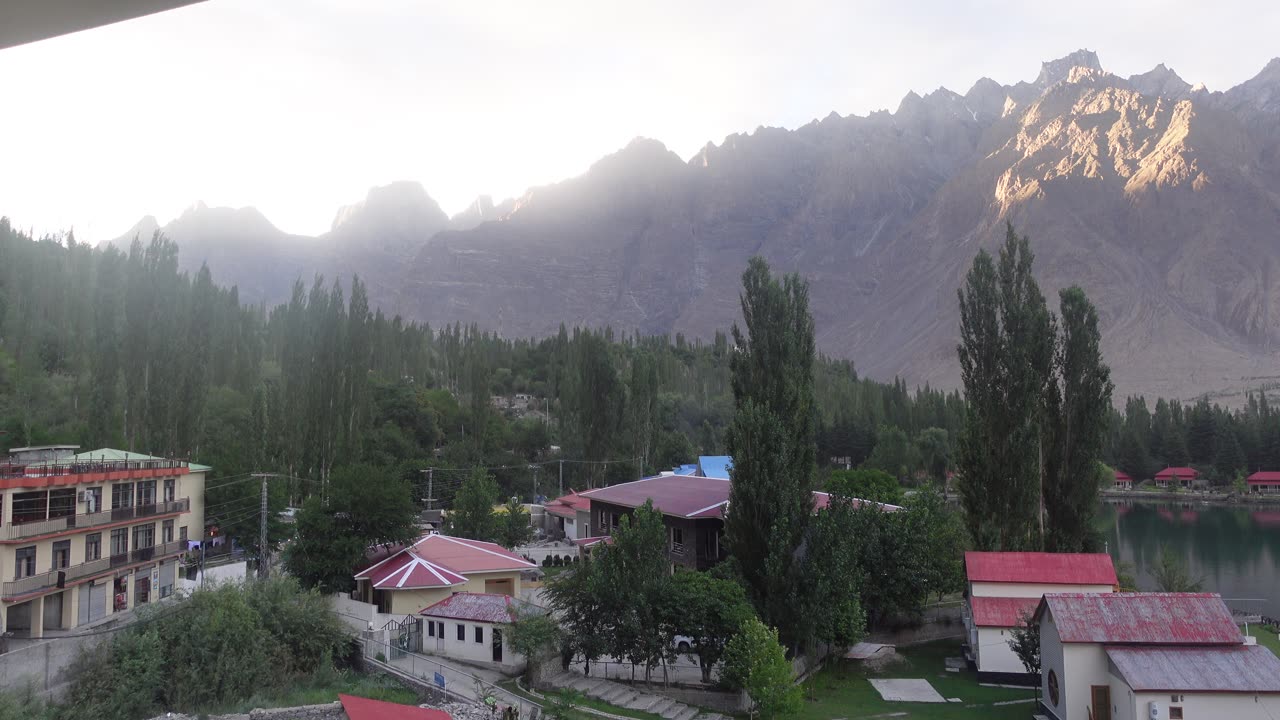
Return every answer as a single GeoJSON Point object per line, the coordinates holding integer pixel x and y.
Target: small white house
{"type": "Point", "coordinates": [470, 626]}
{"type": "Point", "coordinates": [1157, 656]}
{"type": "Point", "coordinates": [1005, 587]}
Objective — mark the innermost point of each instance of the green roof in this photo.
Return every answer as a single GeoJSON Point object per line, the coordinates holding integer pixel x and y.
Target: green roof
{"type": "Point", "coordinates": [113, 455]}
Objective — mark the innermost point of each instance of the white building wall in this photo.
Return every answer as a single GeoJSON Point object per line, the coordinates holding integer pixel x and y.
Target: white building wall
{"type": "Point", "coordinates": [1212, 706]}
{"type": "Point", "coordinates": [468, 649]}
{"type": "Point", "coordinates": [1051, 660]}
{"type": "Point", "coordinates": [994, 654]}
{"type": "Point", "coordinates": [1031, 590]}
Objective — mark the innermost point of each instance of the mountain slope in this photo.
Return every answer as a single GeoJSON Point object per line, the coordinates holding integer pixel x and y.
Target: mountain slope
{"type": "Point", "coordinates": [1161, 199]}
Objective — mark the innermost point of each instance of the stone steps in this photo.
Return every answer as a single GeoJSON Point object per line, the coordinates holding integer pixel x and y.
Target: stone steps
{"type": "Point", "coordinates": [625, 696]}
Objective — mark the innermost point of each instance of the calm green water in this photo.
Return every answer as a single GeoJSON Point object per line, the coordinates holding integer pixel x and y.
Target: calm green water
{"type": "Point", "coordinates": [1236, 550]}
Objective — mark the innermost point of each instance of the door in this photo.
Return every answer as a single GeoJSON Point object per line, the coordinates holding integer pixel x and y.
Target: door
{"type": "Point", "coordinates": [440, 636]}
{"type": "Point", "coordinates": [497, 645]}
{"type": "Point", "coordinates": [1101, 702]}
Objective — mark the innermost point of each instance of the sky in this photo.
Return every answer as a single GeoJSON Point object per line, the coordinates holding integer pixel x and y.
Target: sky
{"type": "Point", "coordinates": [298, 107]}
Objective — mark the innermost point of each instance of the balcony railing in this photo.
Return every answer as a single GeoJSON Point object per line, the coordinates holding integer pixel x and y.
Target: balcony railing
{"type": "Point", "coordinates": [87, 466]}
{"type": "Point", "coordinates": [84, 521]}
{"type": "Point", "coordinates": [25, 585]}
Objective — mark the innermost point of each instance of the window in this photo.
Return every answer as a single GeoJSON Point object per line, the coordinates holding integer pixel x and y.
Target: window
{"type": "Point", "coordinates": [166, 531]}
{"type": "Point", "coordinates": [92, 547]}
{"type": "Point", "coordinates": [613, 521]}
{"type": "Point", "coordinates": [170, 489]}
{"type": "Point", "coordinates": [479, 634]}
{"type": "Point", "coordinates": [61, 554]}
{"type": "Point", "coordinates": [62, 502]}
{"type": "Point", "coordinates": [144, 536]}
{"type": "Point", "coordinates": [431, 629]}
{"type": "Point", "coordinates": [121, 495]}
{"type": "Point", "coordinates": [462, 632]}
{"type": "Point", "coordinates": [30, 506]}
{"type": "Point", "coordinates": [92, 500]}
{"type": "Point", "coordinates": [147, 492]}
{"type": "Point", "coordinates": [119, 542]}
{"type": "Point", "coordinates": [1175, 712]}
{"type": "Point", "coordinates": [677, 536]}
{"type": "Point", "coordinates": [25, 562]}
{"type": "Point", "coordinates": [182, 533]}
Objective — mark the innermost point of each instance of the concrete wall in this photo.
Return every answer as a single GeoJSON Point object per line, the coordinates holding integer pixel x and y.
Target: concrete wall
{"type": "Point", "coordinates": [1079, 666]}
{"type": "Point", "coordinates": [467, 649]}
{"type": "Point", "coordinates": [730, 703]}
{"type": "Point", "coordinates": [42, 667]}
{"type": "Point", "coordinates": [1210, 706]}
{"type": "Point", "coordinates": [1031, 590]}
{"type": "Point", "coordinates": [1051, 662]}
{"type": "Point", "coordinates": [231, 572]}
{"type": "Point", "coordinates": [994, 654]}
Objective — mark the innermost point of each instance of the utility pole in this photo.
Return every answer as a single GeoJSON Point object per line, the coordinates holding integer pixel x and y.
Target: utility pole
{"type": "Point", "coordinates": [535, 482]}
{"type": "Point", "coordinates": [561, 478]}
{"type": "Point", "coordinates": [262, 527]}
{"type": "Point", "coordinates": [431, 497]}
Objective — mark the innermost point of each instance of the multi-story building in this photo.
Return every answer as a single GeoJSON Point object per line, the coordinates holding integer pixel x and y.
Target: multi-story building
{"type": "Point", "coordinates": [85, 535]}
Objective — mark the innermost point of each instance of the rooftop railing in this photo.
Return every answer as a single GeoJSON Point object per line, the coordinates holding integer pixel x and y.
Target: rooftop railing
{"type": "Point", "coordinates": [85, 521]}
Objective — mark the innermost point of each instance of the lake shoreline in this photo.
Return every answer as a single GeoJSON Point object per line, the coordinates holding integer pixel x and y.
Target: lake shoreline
{"type": "Point", "coordinates": [1205, 496]}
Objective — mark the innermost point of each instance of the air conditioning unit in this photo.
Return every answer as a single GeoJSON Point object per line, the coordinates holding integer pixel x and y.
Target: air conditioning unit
{"type": "Point", "coordinates": [1153, 710]}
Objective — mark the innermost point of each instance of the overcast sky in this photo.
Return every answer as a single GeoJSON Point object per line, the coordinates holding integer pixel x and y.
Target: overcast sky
{"type": "Point", "coordinates": [299, 106]}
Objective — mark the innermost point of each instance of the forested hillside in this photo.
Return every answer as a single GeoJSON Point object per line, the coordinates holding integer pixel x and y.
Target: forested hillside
{"type": "Point", "coordinates": [105, 348]}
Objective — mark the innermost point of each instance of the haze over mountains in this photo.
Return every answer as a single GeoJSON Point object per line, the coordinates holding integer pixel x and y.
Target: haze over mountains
{"type": "Point", "coordinates": [1161, 199]}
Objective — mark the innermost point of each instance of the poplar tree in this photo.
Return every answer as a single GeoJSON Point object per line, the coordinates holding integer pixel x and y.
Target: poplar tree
{"type": "Point", "coordinates": [1006, 350]}
{"type": "Point", "coordinates": [771, 439]}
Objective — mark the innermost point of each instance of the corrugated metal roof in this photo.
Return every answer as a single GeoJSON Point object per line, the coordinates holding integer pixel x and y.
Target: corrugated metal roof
{"type": "Point", "coordinates": [1264, 476]}
{"type": "Point", "coordinates": [1184, 473]}
{"type": "Point", "coordinates": [1001, 612]}
{"type": "Point", "coordinates": [567, 506]}
{"type": "Point", "coordinates": [679, 495]}
{"type": "Point", "coordinates": [1142, 618]}
{"type": "Point", "coordinates": [1233, 669]}
{"type": "Point", "coordinates": [715, 466]}
{"type": "Point", "coordinates": [1038, 567]}
{"type": "Point", "coordinates": [481, 607]}
{"type": "Point", "coordinates": [1122, 476]}
{"type": "Point", "coordinates": [436, 561]}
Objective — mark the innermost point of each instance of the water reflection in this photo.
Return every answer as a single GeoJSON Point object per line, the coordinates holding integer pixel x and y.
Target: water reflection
{"type": "Point", "coordinates": [1235, 549]}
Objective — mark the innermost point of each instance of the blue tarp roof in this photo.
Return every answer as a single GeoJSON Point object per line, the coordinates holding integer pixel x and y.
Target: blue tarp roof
{"type": "Point", "coordinates": [685, 469]}
{"type": "Point", "coordinates": [715, 466]}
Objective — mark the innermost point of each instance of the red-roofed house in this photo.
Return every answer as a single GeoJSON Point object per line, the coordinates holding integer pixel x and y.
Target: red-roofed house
{"type": "Point", "coordinates": [1264, 481]}
{"type": "Point", "coordinates": [1127, 656]}
{"type": "Point", "coordinates": [403, 580]}
{"type": "Point", "coordinates": [469, 626]}
{"type": "Point", "coordinates": [1184, 477]}
{"type": "Point", "coordinates": [569, 516]}
{"type": "Point", "coordinates": [692, 506]}
{"type": "Point", "coordinates": [359, 708]}
{"type": "Point", "coordinates": [1123, 481]}
{"type": "Point", "coordinates": [1004, 587]}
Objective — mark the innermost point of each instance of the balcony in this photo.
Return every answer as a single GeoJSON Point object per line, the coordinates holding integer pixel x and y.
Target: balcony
{"type": "Point", "coordinates": [87, 521]}
{"type": "Point", "coordinates": [34, 583]}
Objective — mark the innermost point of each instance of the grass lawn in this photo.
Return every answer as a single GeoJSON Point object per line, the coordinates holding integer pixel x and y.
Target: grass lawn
{"type": "Point", "coordinates": [1266, 635]}
{"type": "Point", "coordinates": [842, 691]}
{"type": "Point", "coordinates": [324, 688]}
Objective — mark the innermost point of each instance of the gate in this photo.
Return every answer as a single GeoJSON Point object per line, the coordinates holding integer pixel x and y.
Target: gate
{"type": "Point", "coordinates": [405, 636]}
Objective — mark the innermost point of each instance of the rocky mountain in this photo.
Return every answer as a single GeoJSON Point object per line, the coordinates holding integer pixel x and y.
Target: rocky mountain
{"type": "Point", "coordinates": [1161, 199]}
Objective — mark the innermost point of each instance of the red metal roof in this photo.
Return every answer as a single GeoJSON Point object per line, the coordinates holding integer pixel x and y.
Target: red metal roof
{"type": "Point", "coordinates": [1183, 473]}
{"type": "Point", "coordinates": [1122, 476]}
{"type": "Point", "coordinates": [1142, 618]}
{"type": "Point", "coordinates": [438, 561]}
{"type": "Point", "coordinates": [567, 506]}
{"type": "Point", "coordinates": [1261, 477]}
{"type": "Point", "coordinates": [1038, 567]}
{"type": "Point", "coordinates": [1228, 668]}
{"type": "Point", "coordinates": [480, 607]}
{"type": "Point", "coordinates": [358, 708]}
{"type": "Point", "coordinates": [1001, 612]}
{"type": "Point", "coordinates": [687, 496]}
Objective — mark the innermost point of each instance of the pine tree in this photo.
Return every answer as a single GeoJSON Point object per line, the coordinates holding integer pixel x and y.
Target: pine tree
{"type": "Point", "coordinates": [771, 440]}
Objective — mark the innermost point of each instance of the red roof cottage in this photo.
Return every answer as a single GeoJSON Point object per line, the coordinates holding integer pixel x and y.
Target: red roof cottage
{"type": "Point", "coordinates": [1123, 481]}
{"type": "Point", "coordinates": [469, 626]}
{"type": "Point", "coordinates": [1126, 656]}
{"type": "Point", "coordinates": [1264, 481]}
{"type": "Point", "coordinates": [1184, 477]}
{"type": "Point", "coordinates": [569, 516]}
{"type": "Point", "coordinates": [1004, 587]}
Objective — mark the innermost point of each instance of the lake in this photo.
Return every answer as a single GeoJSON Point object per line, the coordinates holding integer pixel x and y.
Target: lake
{"type": "Point", "coordinates": [1235, 549]}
